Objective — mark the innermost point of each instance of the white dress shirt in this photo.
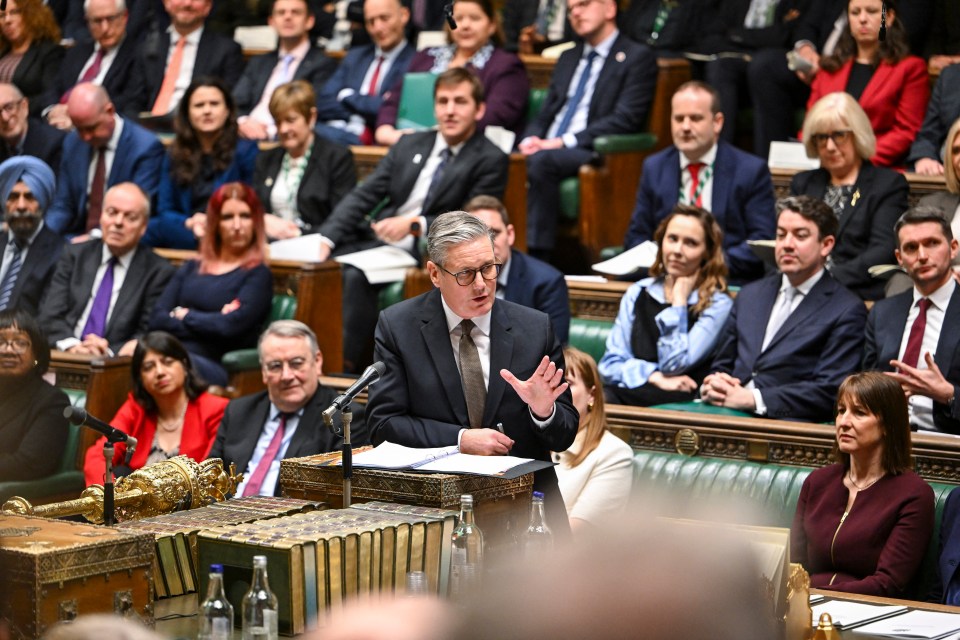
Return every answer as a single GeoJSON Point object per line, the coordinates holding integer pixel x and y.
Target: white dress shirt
{"type": "Point", "coordinates": [580, 116]}
{"type": "Point", "coordinates": [921, 407]}
{"type": "Point", "coordinates": [686, 182]}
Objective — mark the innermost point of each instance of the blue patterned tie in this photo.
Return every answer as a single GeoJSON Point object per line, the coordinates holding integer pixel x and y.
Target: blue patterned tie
{"type": "Point", "coordinates": [577, 96]}
{"type": "Point", "coordinates": [445, 155]}
{"type": "Point", "coordinates": [10, 279]}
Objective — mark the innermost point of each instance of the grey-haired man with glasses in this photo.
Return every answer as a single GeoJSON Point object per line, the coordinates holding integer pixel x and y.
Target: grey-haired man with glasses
{"type": "Point", "coordinates": [466, 368]}
{"type": "Point", "coordinates": [260, 430]}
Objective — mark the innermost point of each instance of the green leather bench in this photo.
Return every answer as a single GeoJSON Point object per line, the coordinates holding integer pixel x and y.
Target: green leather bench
{"type": "Point", "coordinates": [67, 481]}
{"type": "Point", "coordinates": [772, 490]}
{"type": "Point", "coordinates": [247, 361]}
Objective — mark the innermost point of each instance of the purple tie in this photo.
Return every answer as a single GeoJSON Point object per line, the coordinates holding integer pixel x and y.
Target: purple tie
{"type": "Point", "coordinates": [97, 320]}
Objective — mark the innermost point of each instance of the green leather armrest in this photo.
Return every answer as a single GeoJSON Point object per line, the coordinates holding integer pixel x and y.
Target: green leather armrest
{"type": "Point", "coordinates": [625, 142]}
{"type": "Point", "coordinates": [240, 360]}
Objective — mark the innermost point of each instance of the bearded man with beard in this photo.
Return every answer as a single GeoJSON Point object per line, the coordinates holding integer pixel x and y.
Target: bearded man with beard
{"type": "Point", "coordinates": [29, 251]}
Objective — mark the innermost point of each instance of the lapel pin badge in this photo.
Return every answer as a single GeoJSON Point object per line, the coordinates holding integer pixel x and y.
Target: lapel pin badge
{"type": "Point", "coordinates": [268, 182]}
{"type": "Point", "coordinates": [856, 196]}
{"type": "Point", "coordinates": [417, 158]}
{"type": "Point", "coordinates": [621, 56]}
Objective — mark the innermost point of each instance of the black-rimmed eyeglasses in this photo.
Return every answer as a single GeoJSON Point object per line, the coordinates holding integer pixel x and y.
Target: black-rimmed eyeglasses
{"type": "Point", "coordinates": [468, 276]}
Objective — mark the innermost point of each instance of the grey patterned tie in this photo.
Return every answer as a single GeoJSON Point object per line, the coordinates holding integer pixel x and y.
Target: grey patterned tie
{"type": "Point", "coordinates": [10, 279]}
{"type": "Point", "coordinates": [471, 373]}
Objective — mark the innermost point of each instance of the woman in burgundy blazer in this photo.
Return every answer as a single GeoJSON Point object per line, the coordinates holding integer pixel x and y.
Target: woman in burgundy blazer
{"type": "Point", "coordinates": [476, 47]}
{"type": "Point", "coordinates": [863, 525]}
{"type": "Point", "coordinates": [891, 86]}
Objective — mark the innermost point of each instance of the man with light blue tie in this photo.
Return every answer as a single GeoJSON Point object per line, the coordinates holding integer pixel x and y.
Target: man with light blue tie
{"type": "Point", "coordinates": [602, 86]}
{"type": "Point", "coordinates": [285, 421]}
{"type": "Point", "coordinates": [294, 59]}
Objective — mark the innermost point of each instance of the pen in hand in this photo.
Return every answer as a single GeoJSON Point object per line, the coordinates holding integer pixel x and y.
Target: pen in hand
{"type": "Point", "coordinates": [500, 427]}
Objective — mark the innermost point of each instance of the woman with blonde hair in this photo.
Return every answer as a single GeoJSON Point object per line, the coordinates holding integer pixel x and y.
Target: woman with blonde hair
{"type": "Point", "coordinates": [596, 472]}
{"type": "Point", "coordinates": [949, 201]}
{"type": "Point", "coordinates": [668, 324]}
{"type": "Point", "coordinates": [866, 198]}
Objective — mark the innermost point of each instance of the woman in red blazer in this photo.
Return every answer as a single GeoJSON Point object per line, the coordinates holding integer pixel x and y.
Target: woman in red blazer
{"type": "Point", "coordinates": [169, 411]}
{"type": "Point", "coordinates": [890, 85]}
{"type": "Point", "coordinates": [863, 525]}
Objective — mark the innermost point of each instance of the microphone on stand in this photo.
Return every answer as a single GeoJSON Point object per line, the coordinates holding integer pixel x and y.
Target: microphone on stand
{"type": "Point", "coordinates": [370, 375]}
{"type": "Point", "coordinates": [79, 417]}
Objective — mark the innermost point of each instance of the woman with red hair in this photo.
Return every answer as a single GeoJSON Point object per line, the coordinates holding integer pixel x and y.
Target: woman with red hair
{"type": "Point", "coordinates": [219, 302]}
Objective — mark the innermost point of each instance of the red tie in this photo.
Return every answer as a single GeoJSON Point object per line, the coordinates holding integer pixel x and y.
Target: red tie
{"type": "Point", "coordinates": [911, 355]}
{"type": "Point", "coordinates": [256, 480]}
{"type": "Point", "coordinates": [92, 72]}
{"type": "Point", "coordinates": [694, 168]}
{"type": "Point", "coordinates": [366, 137]}
{"type": "Point", "coordinates": [95, 199]}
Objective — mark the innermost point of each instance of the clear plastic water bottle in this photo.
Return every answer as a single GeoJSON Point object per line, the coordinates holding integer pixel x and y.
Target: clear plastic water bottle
{"type": "Point", "coordinates": [260, 605]}
{"type": "Point", "coordinates": [466, 562]}
{"type": "Point", "coordinates": [417, 584]}
{"type": "Point", "coordinates": [216, 612]}
{"type": "Point", "coordinates": [537, 539]}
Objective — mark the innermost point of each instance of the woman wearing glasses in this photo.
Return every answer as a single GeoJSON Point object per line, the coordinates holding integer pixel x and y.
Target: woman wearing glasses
{"type": "Point", "coordinates": [32, 427]}
{"type": "Point", "coordinates": [890, 85]}
{"type": "Point", "coordinates": [668, 324]}
{"type": "Point", "coordinates": [867, 199]}
{"type": "Point", "coordinates": [169, 411]}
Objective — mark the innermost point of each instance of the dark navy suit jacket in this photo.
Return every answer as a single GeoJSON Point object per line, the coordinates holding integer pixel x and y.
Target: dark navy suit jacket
{"type": "Point", "coordinates": [118, 76]}
{"type": "Point", "coordinates": [942, 110]}
{"type": "Point", "coordinates": [743, 204]}
{"type": "Point", "coordinates": [137, 159]}
{"type": "Point", "coordinates": [315, 68]}
{"type": "Point", "coordinates": [885, 327]}
{"type": "Point", "coordinates": [419, 401]}
{"type": "Point", "coordinates": [36, 272]}
{"type": "Point", "coordinates": [816, 348]}
{"type": "Point", "coordinates": [72, 286]}
{"type": "Point", "coordinates": [621, 98]}
{"type": "Point", "coordinates": [349, 75]}
{"type": "Point", "coordinates": [244, 418]}
{"type": "Point", "coordinates": [535, 284]}
{"type": "Point", "coordinates": [949, 548]}
{"type": "Point", "coordinates": [42, 141]}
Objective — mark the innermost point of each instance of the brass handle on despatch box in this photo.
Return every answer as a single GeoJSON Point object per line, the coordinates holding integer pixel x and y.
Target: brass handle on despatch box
{"type": "Point", "coordinates": [67, 610]}
{"type": "Point", "coordinates": [122, 601]}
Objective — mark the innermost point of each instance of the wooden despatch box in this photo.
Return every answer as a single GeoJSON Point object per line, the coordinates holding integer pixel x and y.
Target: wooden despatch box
{"type": "Point", "coordinates": [57, 570]}
{"type": "Point", "coordinates": [501, 505]}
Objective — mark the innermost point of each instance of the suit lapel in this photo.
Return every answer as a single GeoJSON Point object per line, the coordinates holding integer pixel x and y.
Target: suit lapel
{"type": "Point", "coordinates": [310, 423]}
{"type": "Point", "coordinates": [412, 166]}
{"type": "Point", "coordinates": [437, 338]}
{"type": "Point", "coordinates": [611, 67]}
{"type": "Point", "coordinates": [723, 176]}
{"type": "Point", "coordinates": [947, 344]}
{"type": "Point", "coordinates": [120, 154]}
{"type": "Point", "coordinates": [251, 428]}
{"type": "Point", "coordinates": [817, 299]}
{"type": "Point", "coordinates": [501, 351]}
{"type": "Point", "coordinates": [132, 282]}
{"type": "Point", "coordinates": [862, 187]}
{"type": "Point", "coordinates": [760, 313]}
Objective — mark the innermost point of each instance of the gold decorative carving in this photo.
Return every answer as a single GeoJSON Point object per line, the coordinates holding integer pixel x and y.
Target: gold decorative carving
{"type": "Point", "coordinates": [172, 485]}
{"type": "Point", "coordinates": [687, 442]}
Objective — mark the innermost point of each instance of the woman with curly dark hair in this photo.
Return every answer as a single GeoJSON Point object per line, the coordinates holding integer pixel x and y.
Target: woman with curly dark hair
{"type": "Point", "coordinates": [30, 53]}
{"type": "Point", "coordinates": [205, 154]}
{"type": "Point", "coordinates": [891, 85]}
{"type": "Point", "coordinates": [169, 411]}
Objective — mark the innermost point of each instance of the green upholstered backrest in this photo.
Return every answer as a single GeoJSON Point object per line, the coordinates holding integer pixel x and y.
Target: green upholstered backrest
{"type": "Point", "coordinates": [772, 490]}
{"type": "Point", "coordinates": [283, 308]}
{"type": "Point", "coordinates": [569, 200]}
{"type": "Point", "coordinates": [391, 294]}
{"type": "Point", "coordinates": [535, 103]}
{"type": "Point", "coordinates": [590, 336]}
{"type": "Point", "coordinates": [416, 102]}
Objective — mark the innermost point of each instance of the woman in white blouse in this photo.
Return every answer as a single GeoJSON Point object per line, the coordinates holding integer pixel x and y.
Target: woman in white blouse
{"type": "Point", "coordinates": [596, 472]}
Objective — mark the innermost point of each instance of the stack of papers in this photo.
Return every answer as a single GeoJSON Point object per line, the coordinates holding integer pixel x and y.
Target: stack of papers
{"type": "Point", "coordinates": [927, 625]}
{"type": "Point", "coordinates": [846, 614]}
{"type": "Point", "coordinates": [641, 256]}
{"type": "Point", "coordinates": [388, 455]}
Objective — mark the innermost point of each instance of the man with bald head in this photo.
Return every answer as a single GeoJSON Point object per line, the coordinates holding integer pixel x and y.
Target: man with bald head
{"type": "Point", "coordinates": [103, 291]}
{"type": "Point", "coordinates": [104, 149]}
{"type": "Point", "coordinates": [21, 134]}
{"type": "Point", "coordinates": [347, 108]}
{"type": "Point", "coordinates": [28, 250]}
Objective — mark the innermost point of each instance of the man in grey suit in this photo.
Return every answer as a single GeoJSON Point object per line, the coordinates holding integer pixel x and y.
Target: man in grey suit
{"type": "Point", "coordinates": [465, 368]}
{"type": "Point", "coordinates": [423, 175]}
{"type": "Point", "coordinates": [260, 430]}
{"type": "Point", "coordinates": [294, 59]}
{"type": "Point", "coordinates": [103, 291]}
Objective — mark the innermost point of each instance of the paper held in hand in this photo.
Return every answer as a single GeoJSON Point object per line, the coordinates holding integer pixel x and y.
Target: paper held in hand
{"type": "Point", "coordinates": [388, 455]}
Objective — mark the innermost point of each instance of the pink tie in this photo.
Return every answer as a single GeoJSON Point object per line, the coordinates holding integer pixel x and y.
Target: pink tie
{"type": "Point", "coordinates": [256, 480]}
